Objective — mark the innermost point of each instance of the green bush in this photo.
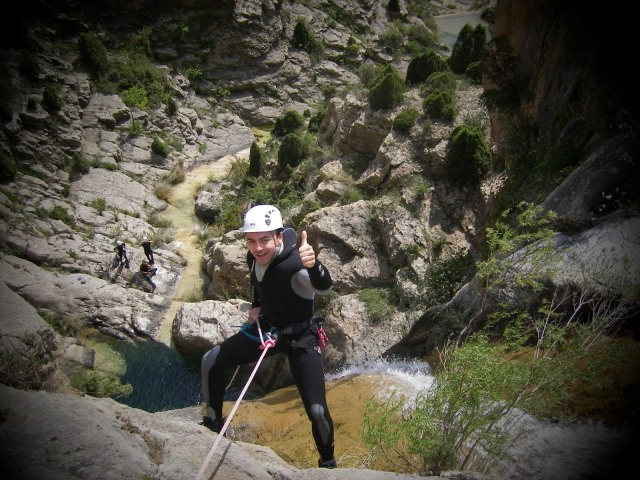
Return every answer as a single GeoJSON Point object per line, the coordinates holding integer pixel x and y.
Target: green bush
{"type": "Point", "coordinates": [141, 41]}
{"type": "Point", "coordinates": [405, 120]}
{"type": "Point", "coordinates": [392, 39]}
{"type": "Point", "coordinates": [387, 89]}
{"type": "Point", "coordinates": [172, 107]}
{"type": "Point", "coordinates": [421, 38]}
{"type": "Point", "coordinates": [444, 80]}
{"type": "Point", "coordinates": [93, 54]}
{"type": "Point", "coordinates": [422, 66]}
{"type": "Point", "coordinates": [303, 37]}
{"type": "Point", "coordinates": [468, 157]}
{"type": "Point", "coordinates": [100, 204]}
{"type": "Point", "coordinates": [129, 69]}
{"type": "Point", "coordinates": [100, 385]}
{"type": "Point", "coordinates": [378, 305]}
{"type": "Point", "coordinates": [60, 213]}
{"type": "Point", "coordinates": [193, 73]}
{"type": "Point", "coordinates": [159, 147]}
{"type": "Point", "coordinates": [367, 73]}
{"type": "Point", "coordinates": [51, 98]}
{"type": "Point", "coordinates": [136, 96]}
{"type": "Point", "coordinates": [255, 160]}
{"type": "Point", "coordinates": [500, 68]}
{"type": "Point", "coordinates": [444, 278]}
{"type": "Point", "coordinates": [315, 121]}
{"type": "Point", "coordinates": [441, 105]}
{"type": "Point", "coordinates": [8, 167]}
{"type": "Point", "coordinates": [79, 163]}
{"type": "Point", "coordinates": [470, 47]}
{"type": "Point", "coordinates": [295, 148]}
{"type": "Point", "coordinates": [289, 122]}
{"type": "Point", "coordinates": [474, 71]}
{"type": "Point", "coordinates": [31, 366]}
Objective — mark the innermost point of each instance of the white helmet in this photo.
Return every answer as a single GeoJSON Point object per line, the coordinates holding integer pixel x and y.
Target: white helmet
{"type": "Point", "coordinates": [118, 243]}
{"type": "Point", "coordinates": [262, 218]}
{"type": "Point", "coordinates": [145, 239]}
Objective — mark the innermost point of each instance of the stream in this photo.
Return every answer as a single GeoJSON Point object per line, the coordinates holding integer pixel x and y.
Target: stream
{"type": "Point", "coordinates": [163, 378]}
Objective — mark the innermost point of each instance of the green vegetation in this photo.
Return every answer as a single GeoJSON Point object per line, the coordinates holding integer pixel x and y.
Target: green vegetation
{"type": "Point", "coordinates": [58, 212]}
{"type": "Point", "coordinates": [93, 54]}
{"type": "Point", "coordinates": [468, 157]}
{"type": "Point", "coordinates": [255, 160]}
{"type": "Point", "coordinates": [30, 365]}
{"type": "Point", "coordinates": [294, 149]}
{"type": "Point", "coordinates": [289, 122]}
{"type": "Point", "coordinates": [392, 39]}
{"type": "Point", "coordinates": [135, 96]}
{"type": "Point", "coordinates": [468, 416]}
{"type": "Point", "coordinates": [79, 164]}
{"type": "Point", "coordinates": [424, 65]}
{"type": "Point", "coordinates": [98, 384]}
{"type": "Point", "coordinates": [470, 47]}
{"type": "Point", "coordinates": [100, 204]}
{"type": "Point", "coordinates": [172, 107]}
{"type": "Point", "coordinates": [441, 105]}
{"type": "Point", "coordinates": [193, 73]}
{"type": "Point", "coordinates": [444, 277]}
{"type": "Point", "coordinates": [141, 41]}
{"type": "Point", "coordinates": [387, 89]}
{"type": "Point", "coordinates": [443, 80]}
{"type": "Point", "coordinates": [315, 121]}
{"type": "Point", "coordinates": [129, 71]}
{"type": "Point", "coordinates": [405, 120]}
{"type": "Point", "coordinates": [51, 98]}
{"type": "Point", "coordinates": [159, 147]}
{"type": "Point", "coordinates": [378, 304]}
{"type": "Point", "coordinates": [304, 38]}
{"type": "Point", "coordinates": [66, 325]}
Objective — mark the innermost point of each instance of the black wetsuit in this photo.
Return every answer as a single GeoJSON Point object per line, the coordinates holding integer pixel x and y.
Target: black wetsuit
{"type": "Point", "coordinates": [148, 252]}
{"type": "Point", "coordinates": [121, 251]}
{"type": "Point", "coordinates": [285, 295]}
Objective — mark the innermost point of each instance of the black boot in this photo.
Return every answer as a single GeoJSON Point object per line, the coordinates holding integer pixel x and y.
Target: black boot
{"type": "Point", "coordinates": [331, 463]}
{"type": "Point", "coordinates": [213, 425]}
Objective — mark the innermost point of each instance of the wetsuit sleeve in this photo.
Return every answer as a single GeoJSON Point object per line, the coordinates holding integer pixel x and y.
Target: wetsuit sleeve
{"type": "Point", "coordinates": [320, 277]}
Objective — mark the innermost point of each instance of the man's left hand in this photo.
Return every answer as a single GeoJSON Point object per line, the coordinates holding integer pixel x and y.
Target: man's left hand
{"type": "Point", "coordinates": [307, 255]}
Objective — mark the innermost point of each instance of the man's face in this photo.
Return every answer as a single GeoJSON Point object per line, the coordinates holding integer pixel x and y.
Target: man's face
{"type": "Point", "coordinates": [262, 245]}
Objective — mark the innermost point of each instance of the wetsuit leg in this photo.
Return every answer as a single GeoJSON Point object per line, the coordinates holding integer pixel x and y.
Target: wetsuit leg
{"type": "Point", "coordinates": [307, 368]}
{"type": "Point", "coordinates": [216, 363]}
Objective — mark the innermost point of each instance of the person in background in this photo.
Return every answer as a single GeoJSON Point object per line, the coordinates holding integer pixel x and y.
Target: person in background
{"type": "Point", "coordinates": [148, 251]}
{"type": "Point", "coordinates": [148, 272]}
{"type": "Point", "coordinates": [121, 252]}
{"type": "Point", "coordinates": [284, 282]}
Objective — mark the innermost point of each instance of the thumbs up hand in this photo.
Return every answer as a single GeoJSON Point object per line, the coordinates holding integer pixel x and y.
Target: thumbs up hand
{"type": "Point", "coordinates": [307, 255]}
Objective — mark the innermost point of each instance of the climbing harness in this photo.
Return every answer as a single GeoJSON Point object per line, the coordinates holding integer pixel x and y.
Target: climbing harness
{"type": "Point", "coordinates": [245, 329]}
{"type": "Point", "coordinates": [266, 342]}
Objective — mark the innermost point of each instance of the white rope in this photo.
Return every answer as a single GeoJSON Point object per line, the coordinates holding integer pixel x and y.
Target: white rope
{"type": "Point", "coordinates": [265, 346]}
